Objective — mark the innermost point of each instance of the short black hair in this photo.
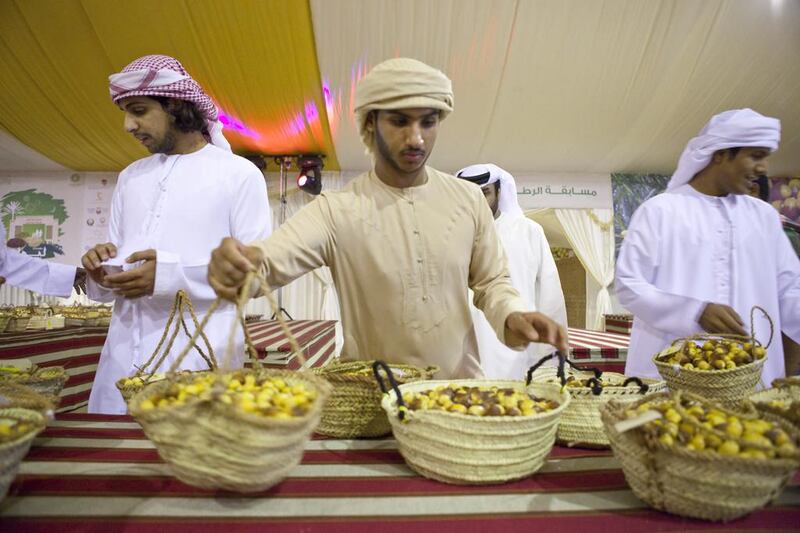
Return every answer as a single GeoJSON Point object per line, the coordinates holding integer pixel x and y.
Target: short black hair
{"type": "Point", "coordinates": [187, 116]}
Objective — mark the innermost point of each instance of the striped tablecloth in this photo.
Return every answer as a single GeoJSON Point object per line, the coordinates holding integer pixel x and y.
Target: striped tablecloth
{"type": "Point", "coordinates": [76, 349]}
{"type": "Point", "coordinates": [317, 339]}
{"type": "Point", "coordinates": [96, 472]}
{"type": "Point", "coordinates": [599, 348]}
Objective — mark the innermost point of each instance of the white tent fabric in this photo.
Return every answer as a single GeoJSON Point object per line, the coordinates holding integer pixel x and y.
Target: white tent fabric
{"type": "Point", "coordinates": [573, 85]}
{"type": "Point", "coordinates": [594, 246]}
{"type": "Point", "coordinates": [15, 156]}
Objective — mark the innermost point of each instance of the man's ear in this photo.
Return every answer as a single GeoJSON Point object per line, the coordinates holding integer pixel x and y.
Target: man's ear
{"type": "Point", "coordinates": [369, 125]}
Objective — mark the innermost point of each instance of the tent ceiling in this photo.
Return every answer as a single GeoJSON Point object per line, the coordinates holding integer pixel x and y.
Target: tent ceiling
{"type": "Point", "coordinates": [544, 85]}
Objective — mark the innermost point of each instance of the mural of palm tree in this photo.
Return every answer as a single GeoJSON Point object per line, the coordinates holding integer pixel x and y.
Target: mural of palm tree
{"type": "Point", "coordinates": [12, 210]}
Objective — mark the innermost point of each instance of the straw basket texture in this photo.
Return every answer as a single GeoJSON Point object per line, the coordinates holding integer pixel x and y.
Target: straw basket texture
{"type": "Point", "coordinates": [20, 316]}
{"type": "Point", "coordinates": [215, 445]}
{"type": "Point", "coordinates": [354, 406]}
{"type": "Point", "coordinates": [696, 484]}
{"type": "Point", "coordinates": [782, 400]}
{"type": "Point", "coordinates": [730, 386]}
{"type": "Point", "coordinates": [12, 452]}
{"type": "Point", "coordinates": [13, 395]}
{"type": "Point", "coordinates": [128, 387]}
{"type": "Point", "coordinates": [47, 381]}
{"type": "Point", "coordinates": [580, 424]}
{"type": "Point", "coordinates": [465, 449]}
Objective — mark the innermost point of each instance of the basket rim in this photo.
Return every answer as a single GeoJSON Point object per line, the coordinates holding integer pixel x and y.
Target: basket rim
{"type": "Point", "coordinates": [389, 401]}
{"type": "Point", "coordinates": [608, 390]}
{"type": "Point", "coordinates": [331, 374]}
{"type": "Point", "coordinates": [323, 389]}
{"type": "Point", "coordinates": [617, 411]}
{"type": "Point", "coordinates": [40, 423]}
{"type": "Point", "coordinates": [741, 369]}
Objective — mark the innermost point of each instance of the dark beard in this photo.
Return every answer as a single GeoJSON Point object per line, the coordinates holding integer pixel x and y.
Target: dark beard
{"type": "Point", "coordinates": [383, 149]}
{"type": "Point", "coordinates": [166, 146]}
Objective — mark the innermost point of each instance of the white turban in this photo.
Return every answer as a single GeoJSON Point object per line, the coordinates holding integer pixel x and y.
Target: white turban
{"type": "Point", "coordinates": [730, 129]}
{"type": "Point", "coordinates": [486, 174]}
{"type": "Point", "coordinates": [401, 83]}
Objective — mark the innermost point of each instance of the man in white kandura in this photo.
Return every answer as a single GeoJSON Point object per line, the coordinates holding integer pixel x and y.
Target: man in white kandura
{"type": "Point", "coordinates": [403, 241]}
{"type": "Point", "coordinates": [37, 275]}
{"type": "Point", "coordinates": [168, 212]}
{"type": "Point", "coordinates": [699, 256]}
{"type": "Point", "coordinates": [530, 264]}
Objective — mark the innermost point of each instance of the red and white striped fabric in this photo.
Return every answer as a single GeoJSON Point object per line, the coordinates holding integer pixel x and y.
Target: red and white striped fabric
{"type": "Point", "coordinates": [602, 349]}
{"type": "Point", "coordinates": [99, 472]}
{"type": "Point", "coordinates": [76, 349]}
{"type": "Point", "coordinates": [317, 339]}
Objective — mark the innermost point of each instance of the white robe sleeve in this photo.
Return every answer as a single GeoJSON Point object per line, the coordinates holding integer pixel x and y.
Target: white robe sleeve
{"type": "Point", "coordinates": [788, 285]}
{"type": "Point", "coordinates": [34, 274]}
{"type": "Point", "coordinates": [94, 291]}
{"type": "Point", "coordinates": [635, 272]}
{"type": "Point", "coordinates": [250, 219]}
{"type": "Point", "coordinates": [549, 294]}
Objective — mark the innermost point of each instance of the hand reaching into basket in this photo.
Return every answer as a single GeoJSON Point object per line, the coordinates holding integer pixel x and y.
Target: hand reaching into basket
{"type": "Point", "coordinates": [230, 263]}
{"type": "Point", "coordinates": [719, 318]}
{"type": "Point", "coordinates": [522, 328]}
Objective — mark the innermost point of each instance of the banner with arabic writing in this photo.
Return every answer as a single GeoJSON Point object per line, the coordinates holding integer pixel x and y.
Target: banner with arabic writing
{"type": "Point", "coordinates": [570, 191]}
{"type": "Point", "coordinates": [630, 191]}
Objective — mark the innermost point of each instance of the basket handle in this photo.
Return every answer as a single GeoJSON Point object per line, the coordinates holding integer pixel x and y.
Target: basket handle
{"type": "Point", "coordinates": [180, 303]}
{"type": "Point", "coordinates": [241, 302]}
{"type": "Point", "coordinates": [562, 360]}
{"type": "Point", "coordinates": [643, 387]}
{"type": "Point", "coordinates": [597, 387]}
{"type": "Point", "coordinates": [376, 366]}
{"type": "Point", "coordinates": [753, 324]}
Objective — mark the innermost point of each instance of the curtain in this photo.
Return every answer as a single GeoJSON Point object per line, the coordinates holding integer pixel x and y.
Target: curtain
{"type": "Point", "coordinates": [256, 59]}
{"type": "Point", "coordinates": [590, 232]}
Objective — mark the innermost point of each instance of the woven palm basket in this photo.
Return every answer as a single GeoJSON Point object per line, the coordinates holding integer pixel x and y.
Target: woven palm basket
{"type": "Point", "coordinates": [354, 406]}
{"type": "Point", "coordinates": [147, 374]}
{"type": "Point", "coordinates": [12, 452]}
{"type": "Point", "coordinates": [695, 484]}
{"type": "Point", "coordinates": [18, 322]}
{"type": "Point", "coordinates": [729, 387]}
{"type": "Point", "coordinates": [474, 450]}
{"type": "Point", "coordinates": [782, 400]}
{"type": "Point", "coordinates": [215, 445]}
{"type": "Point", "coordinates": [39, 318]}
{"type": "Point", "coordinates": [13, 395]}
{"type": "Point", "coordinates": [580, 424]}
{"type": "Point", "coordinates": [47, 381]}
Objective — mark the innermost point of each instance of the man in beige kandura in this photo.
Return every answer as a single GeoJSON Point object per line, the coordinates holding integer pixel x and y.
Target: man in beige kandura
{"type": "Point", "coordinates": [403, 241]}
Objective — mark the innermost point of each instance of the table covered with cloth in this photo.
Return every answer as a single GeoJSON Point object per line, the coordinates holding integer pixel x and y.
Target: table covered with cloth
{"type": "Point", "coordinates": [100, 473]}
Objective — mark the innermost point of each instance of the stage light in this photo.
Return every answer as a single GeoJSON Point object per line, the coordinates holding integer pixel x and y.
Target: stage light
{"type": "Point", "coordinates": [310, 177]}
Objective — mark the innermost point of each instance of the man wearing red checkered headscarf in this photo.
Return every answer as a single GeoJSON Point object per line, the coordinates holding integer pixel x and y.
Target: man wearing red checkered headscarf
{"type": "Point", "coordinates": [164, 76]}
{"type": "Point", "coordinates": [168, 212]}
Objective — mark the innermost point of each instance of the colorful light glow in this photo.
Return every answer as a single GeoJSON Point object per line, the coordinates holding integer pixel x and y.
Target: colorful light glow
{"type": "Point", "coordinates": [300, 132]}
{"type": "Point", "coordinates": [232, 123]}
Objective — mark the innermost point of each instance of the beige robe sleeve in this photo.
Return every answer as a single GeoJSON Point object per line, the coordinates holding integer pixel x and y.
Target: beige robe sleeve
{"type": "Point", "coordinates": [488, 273]}
{"type": "Point", "coordinates": [303, 243]}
